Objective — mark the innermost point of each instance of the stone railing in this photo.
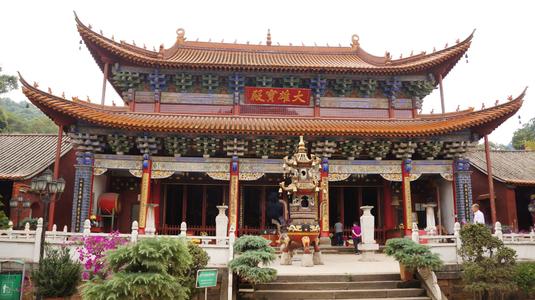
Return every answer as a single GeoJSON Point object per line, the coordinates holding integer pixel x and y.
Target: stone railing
{"type": "Point", "coordinates": [447, 246]}
{"type": "Point", "coordinates": [25, 244]}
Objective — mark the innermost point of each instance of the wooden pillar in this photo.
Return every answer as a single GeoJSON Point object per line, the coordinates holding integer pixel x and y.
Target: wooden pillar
{"type": "Point", "coordinates": [441, 93]}
{"type": "Point", "coordinates": [145, 192]}
{"type": "Point", "coordinates": [203, 208]}
{"type": "Point", "coordinates": [104, 80]}
{"type": "Point", "coordinates": [341, 204]}
{"type": "Point", "coordinates": [406, 167]}
{"type": "Point", "coordinates": [234, 193]}
{"type": "Point", "coordinates": [390, 108]}
{"type": "Point", "coordinates": [156, 199]}
{"type": "Point", "coordinates": [263, 209]}
{"type": "Point", "coordinates": [324, 199]}
{"type": "Point", "coordinates": [414, 109]}
{"type": "Point", "coordinates": [510, 202]}
{"type": "Point", "coordinates": [492, 196]}
{"type": "Point", "coordinates": [184, 203]}
{"type": "Point", "coordinates": [56, 176]}
{"type": "Point", "coordinates": [439, 210]}
{"type": "Point", "coordinates": [388, 209]}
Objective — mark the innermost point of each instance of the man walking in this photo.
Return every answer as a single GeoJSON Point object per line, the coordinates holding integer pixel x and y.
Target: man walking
{"type": "Point", "coordinates": [339, 233]}
{"type": "Point", "coordinates": [355, 234]}
{"type": "Point", "coordinates": [479, 218]}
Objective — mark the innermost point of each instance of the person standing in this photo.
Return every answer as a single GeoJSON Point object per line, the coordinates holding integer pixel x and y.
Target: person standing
{"type": "Point", "coordinates": [356, 234]}
{"type": "Point", "coordinates": [338, 233]}
{"type": "Point", "coordinates": [479, 218]}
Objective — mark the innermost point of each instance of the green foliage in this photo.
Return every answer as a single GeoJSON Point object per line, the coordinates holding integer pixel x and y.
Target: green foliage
{"type": "Point", "coordinates": [253, 251]}
{"type": "Point", "coordinates": [7, 83]}
{"type": "Point", "coordinates": [153, 268]}
{"type": "Point", "coordinates": [524, 134]}
{"type": "Point", "coordinates": [23, 117]}
{"type": "Point", "coordinates": [58, 275]}
{"type": "Point", "coordinates": [524, 277]}
{"type": "Point", "coordinates": [412, 255]}
{"type": "Point", "coordinates": [199, 261]}
{"type": "Point", "coordinates": [31, 221]}
{"type": "Point", "coordinates": [488, 266]}
{"type": "Point", "coordinates": [4, 220]}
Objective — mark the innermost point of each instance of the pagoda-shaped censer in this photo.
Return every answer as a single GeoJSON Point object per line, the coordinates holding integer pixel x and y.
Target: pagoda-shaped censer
{"type": "Point", "coordinates": [303, 229]}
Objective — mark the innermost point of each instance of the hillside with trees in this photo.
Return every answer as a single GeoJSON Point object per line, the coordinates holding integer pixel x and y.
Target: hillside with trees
{"type": "Point", "coordinates": [20, 117]}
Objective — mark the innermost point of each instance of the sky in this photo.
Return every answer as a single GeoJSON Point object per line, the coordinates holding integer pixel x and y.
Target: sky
{"type": "Point", "coordinates": [39, 39]}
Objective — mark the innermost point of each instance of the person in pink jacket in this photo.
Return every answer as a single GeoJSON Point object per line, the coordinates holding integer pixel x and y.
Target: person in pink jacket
{"type": "Point", "coordinates": [355, 234]}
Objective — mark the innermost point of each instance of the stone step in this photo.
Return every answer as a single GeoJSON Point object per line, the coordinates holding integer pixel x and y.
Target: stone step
{"type": "Point", "coordinates": [346, 285]}
{"type": "Point", "coordinates": [338, 278]}
{"type": "Point", "coordinates": [333, 294]}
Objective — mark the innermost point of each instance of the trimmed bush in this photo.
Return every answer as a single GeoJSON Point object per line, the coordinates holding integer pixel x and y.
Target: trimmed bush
{"type": "Point", "coordinates": [253, 251]}
{"type": "Point", "coordinates": [199, 260]}
{"type": "Point", "coordinates": [524, 277]}
{"type": "Point", "coordinates": [488, 266]}
{"type": "Point", "coordinates": [412, 255]}
{"type": "Point", "coordinates": [57, 275]}
{"type": "Point", "coordinates": [152, 268]}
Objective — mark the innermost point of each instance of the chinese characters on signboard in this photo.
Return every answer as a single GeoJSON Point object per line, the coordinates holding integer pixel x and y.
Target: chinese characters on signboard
{"type": "Point", "coordinates": [285, 96]}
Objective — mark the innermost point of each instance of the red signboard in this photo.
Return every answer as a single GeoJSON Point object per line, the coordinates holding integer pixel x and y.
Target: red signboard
{"type": "Point", "coordinates": [284, 96]}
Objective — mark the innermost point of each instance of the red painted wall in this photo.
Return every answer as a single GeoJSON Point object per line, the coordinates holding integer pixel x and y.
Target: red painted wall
{"type": "Point", "coordinates": [505, 199]}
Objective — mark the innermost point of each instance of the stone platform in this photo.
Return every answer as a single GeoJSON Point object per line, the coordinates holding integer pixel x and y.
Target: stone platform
{"type": "Point", "coordinates": [341, 264]}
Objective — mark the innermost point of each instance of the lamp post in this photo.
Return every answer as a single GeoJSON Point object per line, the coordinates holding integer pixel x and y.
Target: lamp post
{"type": "Point", "coordinates": [45, 186]}
{"type": "Point", "coordinates": [19, 204]}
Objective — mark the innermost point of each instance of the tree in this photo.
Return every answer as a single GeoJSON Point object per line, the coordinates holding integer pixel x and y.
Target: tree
{"type": "Point", "coordinates": [152, 268]}
{"type": "Point", "coordinates": [524, 134]}
{"type": "Point", "coordinates": [58, 275]}
{"type": "Point", "coordinates": [253, 251]}
{"type": "Point", "coordinates": [7, 82]}
{"type": "Point", "coordinates": [488, 265]}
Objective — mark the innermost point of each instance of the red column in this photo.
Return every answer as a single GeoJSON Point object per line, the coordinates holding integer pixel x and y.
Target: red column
{"type": "Point", "coordinates": [492, 196]}
{"type": "Point", "coordinates": [389, 212]}
{"type": "Point", "coordinates": [441, 93]}
{"type": "Point", "coordinates": [324, 199]}
{"type": "Point", "coordinates": [156, 199]}
{"type": "Point", "coordinates": [390, 109]}
{"type": "Point", "coordinates": [145, 193]}
{"type": "Point", "coordinates": [56, 176]}
{"type": "Point", "coordinates": [234, 193]}
{"type": "Point", "coordinates": [406, 192]}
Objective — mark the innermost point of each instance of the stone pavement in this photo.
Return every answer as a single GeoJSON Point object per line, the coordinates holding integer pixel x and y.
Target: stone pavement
{"type": "Point", "coordinates": [340, 264]}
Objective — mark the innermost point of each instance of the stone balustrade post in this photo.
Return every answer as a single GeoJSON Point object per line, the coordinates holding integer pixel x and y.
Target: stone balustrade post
{"type": "Point", "coordinates": [415, 234]}
{"type": "Point", "coordinates": [231, 240]}
{"type": "Point", "coordinates": [54, 232]}
{"type": "Point", "coordinates": [10, 229]}
{"type": "Point", "coordinates": [87, 228]}
{"type": "Point", "coordinates": [37, 238]}
{"type": "Point", "coordinates": [135, 232]}
{"type": "Point", "coordinates": [458, 242]}
{"type": "Point", "coordinates": [532, 235]}
{"type": "Point", "coordinates": [27, 228]}
{"type": "Point", "coordinates": [498, 231]}
{"type": "Point", "coordinates": [183, 229]}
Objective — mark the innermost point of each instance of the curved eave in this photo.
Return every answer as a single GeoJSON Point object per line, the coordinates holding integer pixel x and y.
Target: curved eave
{"type": "Point", "coordinates": [481, 122]}
{"type": "Point", "coordinates": [439, 62]}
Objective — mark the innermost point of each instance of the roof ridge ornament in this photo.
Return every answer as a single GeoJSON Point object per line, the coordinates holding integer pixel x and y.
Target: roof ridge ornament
{"type": "Point", "coordinates": [180, 36]}
{"type": "Point", "coordinates": [268, 38]}
{"type": "Point", "coordinates": [355, 42]}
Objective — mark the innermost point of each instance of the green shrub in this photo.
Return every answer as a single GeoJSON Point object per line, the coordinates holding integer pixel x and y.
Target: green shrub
{"type": "Point", "coordinates": [524, 277]}
{"type": "Point", "coordinates": [199, 260]}
{"type": "Point", "coordinates": [152, 268]}
{"type": "Point", "coordinates": [251, 252]}
{"type": "Point", "coordinates": [488, 265]}
{"type": "Point", "coordinates": [412, 255]}
{"type": "Point", "coordinates": [58, 275]}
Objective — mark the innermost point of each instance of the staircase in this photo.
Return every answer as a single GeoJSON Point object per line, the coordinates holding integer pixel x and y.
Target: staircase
{"type": "Point", "coordinates": [363, 287]}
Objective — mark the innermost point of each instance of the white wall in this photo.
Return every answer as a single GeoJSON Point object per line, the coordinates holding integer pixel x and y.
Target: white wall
{"type": "Point", "coordinates": [446, 204]}
{"type": "Point", "coordinates": [99, 187]}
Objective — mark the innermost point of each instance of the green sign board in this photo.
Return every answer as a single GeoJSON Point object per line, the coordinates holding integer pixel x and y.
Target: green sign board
{"type": "Point", "coordinates": [206, 278]}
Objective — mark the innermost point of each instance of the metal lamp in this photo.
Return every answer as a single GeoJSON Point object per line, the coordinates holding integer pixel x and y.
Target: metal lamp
{"type": "Point", "coordinates": [48, 175]}
{"type": "Point", "coordinates": [13, 203]}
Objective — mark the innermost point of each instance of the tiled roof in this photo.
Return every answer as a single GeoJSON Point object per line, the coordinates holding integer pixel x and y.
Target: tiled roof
{"type": "Point", "coordinates": [228, 56]}
{"type": "Point", "coordinates": [512, 167]}
{"type": "Point", "coordinates": [482, 122]}
{"type": "Point", "coordinates": [22, 156]}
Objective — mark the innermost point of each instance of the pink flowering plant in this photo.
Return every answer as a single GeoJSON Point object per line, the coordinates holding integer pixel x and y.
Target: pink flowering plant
{"type": "Point", "coordinates": [92, 253]}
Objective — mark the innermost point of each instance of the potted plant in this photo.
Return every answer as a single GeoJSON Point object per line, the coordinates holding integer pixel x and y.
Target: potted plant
{"type": "Point", "coordinates": [411, 257]}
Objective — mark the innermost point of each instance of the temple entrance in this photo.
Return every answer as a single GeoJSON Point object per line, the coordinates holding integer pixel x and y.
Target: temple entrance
{"type": "Point", "coordinates": [346, 198]}
{"type": "Point", "coordinates": [195, 204]}
{"type": "Point", "coordinates": [255, 215]}
{"type": "Point", "coordinates": [525, 221]}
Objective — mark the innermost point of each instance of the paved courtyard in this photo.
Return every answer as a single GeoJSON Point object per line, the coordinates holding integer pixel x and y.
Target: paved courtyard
{"type": "Point", "coordinates": [339, 264]}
